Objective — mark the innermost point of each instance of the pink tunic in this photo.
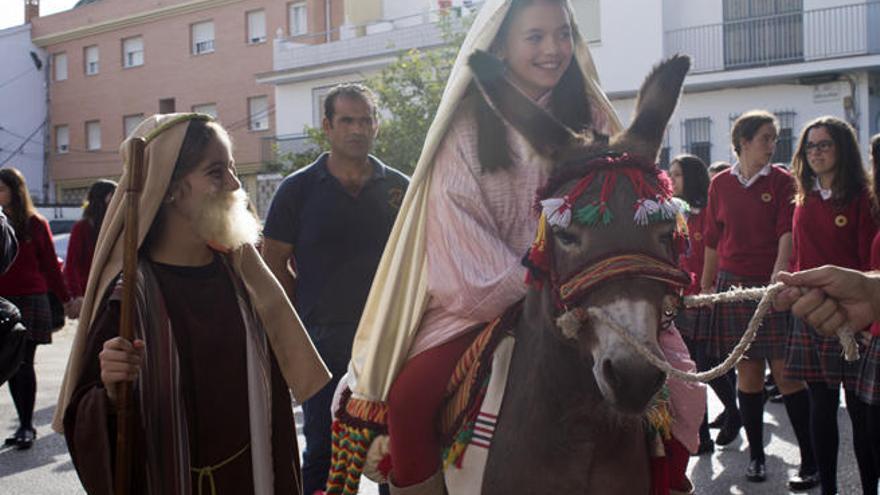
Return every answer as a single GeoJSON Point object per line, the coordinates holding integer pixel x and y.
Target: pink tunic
{"type": "Point", "coordinates": [687, 399]}
{"type": "Point", "coordinates": [479, 226]}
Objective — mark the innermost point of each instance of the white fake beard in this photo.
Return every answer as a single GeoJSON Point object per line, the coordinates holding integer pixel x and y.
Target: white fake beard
{"type": "Point", "coordinates": [225, 219]}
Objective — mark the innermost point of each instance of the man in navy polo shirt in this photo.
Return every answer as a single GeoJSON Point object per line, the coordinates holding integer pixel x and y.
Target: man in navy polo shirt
{"type": "Point", "coordinates": [333, 218]}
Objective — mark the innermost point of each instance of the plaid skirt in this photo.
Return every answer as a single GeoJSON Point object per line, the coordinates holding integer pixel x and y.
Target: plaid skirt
{"type": "Point", "coordinates": [815, 358]}
{"type": "Point", "coordinates": [36, 316]}
{"type": "Point", "coordinates": [868, 388]}
{"type": "Point", "coordinates": [693, 323]}
{"type": "Point", "coordinates": [730, 320]}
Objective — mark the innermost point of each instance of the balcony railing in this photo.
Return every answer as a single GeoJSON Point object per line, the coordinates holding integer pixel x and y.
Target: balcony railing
{"type": "Point", "coordinates": [780, 39]}
{"type": "Point", "coordinates": [380, 37]}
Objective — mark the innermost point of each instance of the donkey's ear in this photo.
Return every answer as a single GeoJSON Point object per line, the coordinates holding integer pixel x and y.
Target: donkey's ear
{"type": "Point", "coordinates": [657, 100]}
{"type": "Point", "coordinates": [547, 135]}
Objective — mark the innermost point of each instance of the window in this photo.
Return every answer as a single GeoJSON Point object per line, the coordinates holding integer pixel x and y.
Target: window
{"type": "Point", "coordinates": [763, 32]}
{"type": "Point", "coordinates": [166, 105]}
{"type": "Point", "coordinates": [665, 151]}
{"type": "Point", "coordinates": [256, 26]}
{"type": "Point", "coordinates": [258, 113]}
{"type": "Point", "coordinates": [62, 139]}
{"type": "Point", "coordinates": [698, 138]}
{"type": "Point", "coordinates": [202, 37]}
{"type": "Point", "coordinates": [90, 59]}
{"type": "Point", "coordinates": [296, 19]}
{"type": "Point", "coordinates": [93, 135]}
{"type": "Point", "coordinates": [785, 142]}
{"type": "Point", "coordinates": [133, 52]}
{"type": "Point", "coordinates": [60, 62]}
{"type": "Point", "coordinates": [208, 108]}
{"type": "Point", "coordinates": [130, 122]}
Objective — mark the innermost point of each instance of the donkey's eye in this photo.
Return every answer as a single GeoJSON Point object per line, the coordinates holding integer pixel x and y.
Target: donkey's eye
{"type": "Point", "coordinates": [566, 238]}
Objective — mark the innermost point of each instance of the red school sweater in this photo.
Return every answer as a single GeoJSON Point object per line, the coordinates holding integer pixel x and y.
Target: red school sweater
{"type": "Point", "coordinates": [80, 250]}
{"type": "Point", "coordinates": [692, 260]}
{"type": "Point", "coordinates": [36, 269]}
{"type": "Point", "coordinates": [826, 235]}
{"type": "Point", "coordinates": [875, 265]}
{"type": "Point", "coordinates": [745, 223]}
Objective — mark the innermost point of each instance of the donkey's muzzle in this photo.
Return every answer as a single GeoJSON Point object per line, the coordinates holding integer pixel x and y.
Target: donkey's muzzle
{"type": "Point", "coordinates": [634, 383]}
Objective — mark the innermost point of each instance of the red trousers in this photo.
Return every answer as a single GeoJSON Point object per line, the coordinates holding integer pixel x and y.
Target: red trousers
{"type": "Point", "coordinates": [413, 405]}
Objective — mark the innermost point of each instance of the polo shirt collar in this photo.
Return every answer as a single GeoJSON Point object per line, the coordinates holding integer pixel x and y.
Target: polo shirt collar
{"type": "Point", "coordinates": [825, 193]}
{"type": "Point", "coordinates": [736, 171]}
{"type": "Point", "coordinates": [380, 170]}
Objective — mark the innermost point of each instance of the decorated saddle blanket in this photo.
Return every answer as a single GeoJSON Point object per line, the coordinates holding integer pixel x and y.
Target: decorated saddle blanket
{"type": "Point", "coordinates": [474, 396]}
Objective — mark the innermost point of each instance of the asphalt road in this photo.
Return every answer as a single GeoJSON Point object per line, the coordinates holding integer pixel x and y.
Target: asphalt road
{"type": "Point", "coordinates": [46, 468]}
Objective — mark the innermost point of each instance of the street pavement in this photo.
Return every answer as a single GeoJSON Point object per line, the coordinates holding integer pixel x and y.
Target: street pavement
{"type": "Point", "coordinates": [46, 468]}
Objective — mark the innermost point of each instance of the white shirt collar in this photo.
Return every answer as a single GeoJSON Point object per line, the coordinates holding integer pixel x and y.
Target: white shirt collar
{"type": "Point", "coordinates": [736, 171]}
{"type": "Point", "coordinates": [825, 193]}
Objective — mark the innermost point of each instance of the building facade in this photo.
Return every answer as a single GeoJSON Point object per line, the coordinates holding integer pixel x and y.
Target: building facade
{"type": "Point", "coordinates": [23, 108]}
{"type": "Point", "coordinates": [797, 58]}
{"type": "Point", "coordinates": [114, 62]}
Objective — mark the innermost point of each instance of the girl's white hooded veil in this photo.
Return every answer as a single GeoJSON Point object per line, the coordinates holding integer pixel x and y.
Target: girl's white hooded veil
{"type": "Point", "coordinates": [398, 297]}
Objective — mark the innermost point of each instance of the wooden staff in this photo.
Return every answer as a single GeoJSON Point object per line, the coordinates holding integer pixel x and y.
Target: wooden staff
{"type": "Point", "coordinates": [126, 321]}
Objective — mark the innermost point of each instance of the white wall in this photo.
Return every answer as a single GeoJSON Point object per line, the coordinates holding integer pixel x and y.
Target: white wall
{"type": "Point", "coordinates": [632, 42]}
{"type": "Point", "coordinates": [22, 106]}
{"type": "Point", "coordinates": [294, 102]}
{"type": "Point", "coordinates": [679, 14]}
{"type": "Point", "coordinates": [394, 9]}
{"type": "Point", "coordinates": [807, 102]}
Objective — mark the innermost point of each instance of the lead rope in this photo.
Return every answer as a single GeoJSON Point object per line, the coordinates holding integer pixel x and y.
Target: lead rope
{"type": "Point", "coordinates": [764, 294]}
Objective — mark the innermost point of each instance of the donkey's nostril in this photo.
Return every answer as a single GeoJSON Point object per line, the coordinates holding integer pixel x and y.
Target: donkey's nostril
{"type": "Point", "coordinates": [610, 374]}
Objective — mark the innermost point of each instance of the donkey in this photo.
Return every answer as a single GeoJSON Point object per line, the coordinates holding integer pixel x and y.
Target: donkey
{"type": "Point", "coordinates": [571, 419]}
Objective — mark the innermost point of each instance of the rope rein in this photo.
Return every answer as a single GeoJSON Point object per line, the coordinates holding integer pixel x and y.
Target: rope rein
{"type": "Point", "coordinates": [764, 294]}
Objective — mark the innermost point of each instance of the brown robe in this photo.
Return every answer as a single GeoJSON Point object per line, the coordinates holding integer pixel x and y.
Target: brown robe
{"type": "Point", "coordinates": [210, 337]}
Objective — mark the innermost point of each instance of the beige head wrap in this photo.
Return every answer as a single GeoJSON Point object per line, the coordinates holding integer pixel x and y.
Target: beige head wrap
{"type": "Point", "coordinates": [300, 364]}
{"type": "Point", "coordinates": [398, 296]}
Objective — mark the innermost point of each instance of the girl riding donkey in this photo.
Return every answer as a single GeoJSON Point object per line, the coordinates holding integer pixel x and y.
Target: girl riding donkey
{"type": "Point", "coordinates": [832, 224]}
{"type": "Point", "coordinates": [453, 260]}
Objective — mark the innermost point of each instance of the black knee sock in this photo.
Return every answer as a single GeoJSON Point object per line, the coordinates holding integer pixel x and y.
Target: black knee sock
{"type": "Point", "coordinates": [824, 402]}
{"type": "Point", "coordinates": [23, 387]}
{"type": "Point", "coordinates": [705, 435]}
{"type": "Point", "coordinates": [872, 413]}
{"type": "Point", "coordinates": [858, 411]}
{"type": "Point", "coordinates": [723, 386]}
{"type": "Point", "coordinates": [797, 405]}
{"type": "Point", "coordinates": [751, 409]}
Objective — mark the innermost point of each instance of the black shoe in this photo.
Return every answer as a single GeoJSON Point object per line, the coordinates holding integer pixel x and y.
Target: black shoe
{"type": "Point", "coordinates": [707, 446]}
{"type": "Point", "coordinates": [803, 482]}
{"type": "Point", "coordinates": [719, 420]}
{"type": "Point", "coordinates": [756, 472]}
{"type": "Point", "coordinates": [776, 399]}
{"type": "Point", "coordinates": [730, 431]}
{"type": "Point", "coordinates": [23, 438]}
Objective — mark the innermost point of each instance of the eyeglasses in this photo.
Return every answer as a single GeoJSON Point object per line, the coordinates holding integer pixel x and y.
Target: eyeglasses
{"type": "Point", "coordinates": [821, 146]}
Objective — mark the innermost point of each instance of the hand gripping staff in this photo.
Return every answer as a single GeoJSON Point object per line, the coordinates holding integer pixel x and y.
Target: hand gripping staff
{"type": "Point", "coordinates": [126, 321]}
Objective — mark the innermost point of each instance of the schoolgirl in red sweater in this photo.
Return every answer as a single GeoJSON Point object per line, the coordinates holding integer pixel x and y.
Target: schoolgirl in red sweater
{"type": "Point", "coordinates": [34, 273]}
{"type": "Point", "coordinates": [690, 180]}
{"type": "Point", "coordinates": [868, 387]}
{"type": "Point", "coordinates": [748, 240]}
{"type": "Point", "coordinates": [81, 246]}
{"type": "Point", "coordinates": [833, 224]}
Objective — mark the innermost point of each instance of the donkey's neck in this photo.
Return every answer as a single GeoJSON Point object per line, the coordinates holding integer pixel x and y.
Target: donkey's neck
{"type": "Point", "coordinates": [550, 370]}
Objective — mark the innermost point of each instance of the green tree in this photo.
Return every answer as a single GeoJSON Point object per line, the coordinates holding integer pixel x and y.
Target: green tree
{"type": "Point", "coordinates": [409, 91]}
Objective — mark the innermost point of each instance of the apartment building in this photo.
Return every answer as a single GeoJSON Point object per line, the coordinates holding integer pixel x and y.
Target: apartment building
{"type": "Point", "coordinates": [113, 62]}
{"type": "Point", "coordinates": [797, 58]}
